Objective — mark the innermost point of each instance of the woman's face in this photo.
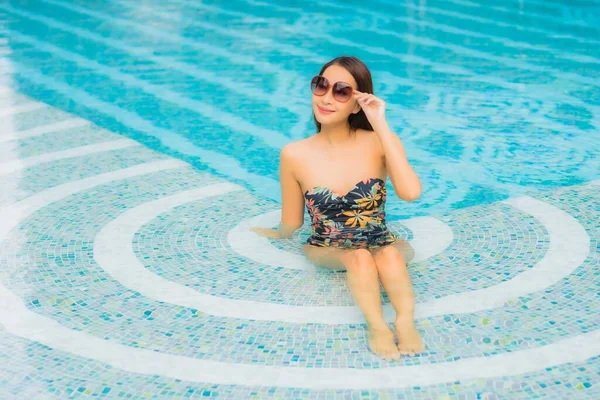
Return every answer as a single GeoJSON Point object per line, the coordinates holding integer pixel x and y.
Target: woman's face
{"type": "Point", "coordinates": [327, 109]}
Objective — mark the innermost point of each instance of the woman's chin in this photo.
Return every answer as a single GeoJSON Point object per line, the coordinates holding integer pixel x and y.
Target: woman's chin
{"type": "Point", "coordinates": [326, 119]}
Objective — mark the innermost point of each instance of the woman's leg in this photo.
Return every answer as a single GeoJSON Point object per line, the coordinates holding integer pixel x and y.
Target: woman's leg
{"type": "Point", "coordinates": [327, 257]}
{"type": "Point", "coordinates": [330, 257]}
{"type": "Point", "coordinates": [395, 278]}
{"type": "Point", "coordinates": [406, 249]}
{"type": "Point", "coordinates": [363, 283]}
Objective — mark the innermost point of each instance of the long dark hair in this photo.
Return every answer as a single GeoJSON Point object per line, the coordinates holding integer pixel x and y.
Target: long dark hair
{"type": "Point", "coordinates": [364, 83]}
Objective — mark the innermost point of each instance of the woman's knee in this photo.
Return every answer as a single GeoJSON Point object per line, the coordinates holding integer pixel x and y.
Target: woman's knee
{"type": "Point", "coordinates": [359, 258]}
{"type": "Point", "coordinates": [392, 253]}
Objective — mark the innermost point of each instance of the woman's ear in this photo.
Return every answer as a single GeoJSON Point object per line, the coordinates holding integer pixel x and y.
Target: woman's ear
{"type": "Point", "coordinates": [356, 108]}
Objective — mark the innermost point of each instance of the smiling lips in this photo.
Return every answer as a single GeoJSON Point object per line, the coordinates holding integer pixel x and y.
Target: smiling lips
{"type": "Point", "coordinates": [324, 110]}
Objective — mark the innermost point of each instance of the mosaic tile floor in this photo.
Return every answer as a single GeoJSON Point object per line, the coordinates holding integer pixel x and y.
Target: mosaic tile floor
{"type": "Point", "coordinates": [125, 273]}
{"type": "Point", "coordinates": [139, 141]}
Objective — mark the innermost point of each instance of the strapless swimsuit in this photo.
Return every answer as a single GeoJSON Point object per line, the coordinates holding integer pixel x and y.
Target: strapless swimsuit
{"type": "Point", "coordinates": [354, 220]}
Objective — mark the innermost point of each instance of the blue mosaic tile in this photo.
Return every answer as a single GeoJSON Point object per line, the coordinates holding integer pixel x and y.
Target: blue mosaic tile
{"type": "Point", "coordinates": [497, 106]}
{"type": "Point", "coordinates": [64, 140]}
{"type": "Point", "coordinates": [44, 176]}
{"type": "Point", "coordinates": [31, 119]}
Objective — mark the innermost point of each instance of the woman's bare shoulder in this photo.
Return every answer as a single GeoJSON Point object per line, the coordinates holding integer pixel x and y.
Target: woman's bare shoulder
{"type": "Point", "coordinates": [297, 150]}
{"type": "Point", "coordinates": [365, 133]}
{"type": "Point", "coordinates": [370, 139]}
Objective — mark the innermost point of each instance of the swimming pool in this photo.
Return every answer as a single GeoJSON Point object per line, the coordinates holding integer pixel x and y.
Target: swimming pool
{"type": "Point", "coordinates": [140, 140]}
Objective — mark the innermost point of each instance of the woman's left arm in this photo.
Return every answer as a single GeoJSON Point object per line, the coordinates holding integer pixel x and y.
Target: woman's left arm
{"type": "Point", "coordinates": [407, 184]}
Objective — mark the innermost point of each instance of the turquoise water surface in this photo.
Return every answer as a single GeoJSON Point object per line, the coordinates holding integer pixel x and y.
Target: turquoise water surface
{"type": "Point", "coordinates": [140, 139]}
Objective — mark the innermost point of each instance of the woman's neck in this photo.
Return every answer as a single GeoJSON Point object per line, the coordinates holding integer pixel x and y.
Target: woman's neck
{"type": "Point", "coordinates": [336, 134]}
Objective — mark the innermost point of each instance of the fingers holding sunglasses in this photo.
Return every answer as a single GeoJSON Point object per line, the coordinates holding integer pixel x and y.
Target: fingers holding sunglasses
{"type": "Point", "coordinates": [367, 98]}
{"type": "Point", "coordinates": [373, 106]}
{"type": "Point", "coordinates": [361, 97]}
{"type": "Point", "coordinates": [370, 99]}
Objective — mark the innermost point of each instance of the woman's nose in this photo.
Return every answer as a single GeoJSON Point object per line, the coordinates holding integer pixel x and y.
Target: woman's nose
{"type": "Point", "coordinates": [328, 96]}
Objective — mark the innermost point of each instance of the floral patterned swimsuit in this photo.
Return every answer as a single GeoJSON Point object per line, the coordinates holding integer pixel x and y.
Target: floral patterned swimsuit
{"type": "Point", "coordinates": [354, 220]}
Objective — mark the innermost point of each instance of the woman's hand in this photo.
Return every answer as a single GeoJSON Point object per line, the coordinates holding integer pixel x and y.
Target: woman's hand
{"type": "Point", "coordinates": [284, 231]}
{"type": "Point", "coordinates": [266, 232]}
{"type": "Point", "coordinates": [373, 107]}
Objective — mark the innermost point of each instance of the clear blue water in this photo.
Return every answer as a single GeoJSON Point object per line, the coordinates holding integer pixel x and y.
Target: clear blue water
{"type": "Point", "coordinates": [498, 107]}
{"type": "Point", "coordinates": [489, 102]}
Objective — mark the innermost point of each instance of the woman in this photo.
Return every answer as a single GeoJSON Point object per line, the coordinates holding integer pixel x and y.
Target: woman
{"type": "Point", "coordinates": [340, 174]}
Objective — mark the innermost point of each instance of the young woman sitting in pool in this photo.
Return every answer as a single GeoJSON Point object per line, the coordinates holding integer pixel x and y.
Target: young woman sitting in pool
{"type": "Point", "coordinates": [340, 174]}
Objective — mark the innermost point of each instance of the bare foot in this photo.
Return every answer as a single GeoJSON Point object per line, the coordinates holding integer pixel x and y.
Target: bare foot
{"type": "Point", "coordinates": [381, 342]}
{"type": "Point", "coordinates": [409, 339]}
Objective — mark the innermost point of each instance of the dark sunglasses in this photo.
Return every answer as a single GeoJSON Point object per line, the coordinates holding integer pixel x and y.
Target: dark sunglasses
{"type": "Point", "coordinates": [342, 91]}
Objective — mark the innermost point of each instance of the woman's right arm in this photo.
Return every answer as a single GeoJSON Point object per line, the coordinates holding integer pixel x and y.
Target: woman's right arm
{"type": "Point", "coordinates": [292, 199]}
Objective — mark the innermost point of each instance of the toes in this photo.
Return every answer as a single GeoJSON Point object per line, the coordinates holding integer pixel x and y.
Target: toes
{"type": "Point", "coordinates": [408, 350]}
{"type": "Point", "coordinates": [379, 352]}
{"type": "Point", "coordinates": [383, 345]}
{"type": "Point", "coordinates": [386, 353]}
{"type": "Point", "coordinates": [393, 353]}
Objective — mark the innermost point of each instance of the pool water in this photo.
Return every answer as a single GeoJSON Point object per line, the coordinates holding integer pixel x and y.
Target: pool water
{"type": "Point", "coordinates": [139, 140]}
